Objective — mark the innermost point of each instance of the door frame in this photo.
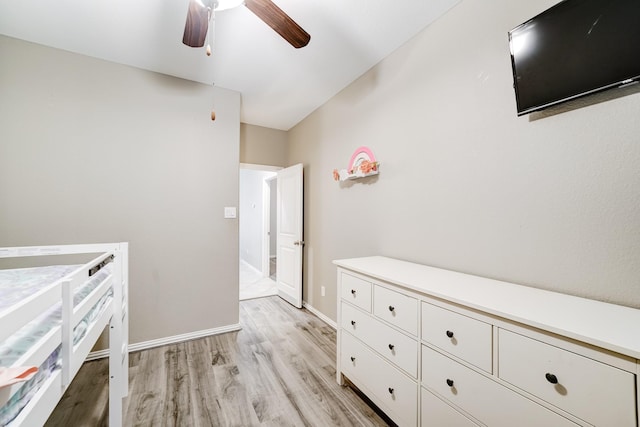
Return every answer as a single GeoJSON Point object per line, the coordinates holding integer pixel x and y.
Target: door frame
{"type": "Point", "coordinates": [265, 225]}
{"type": "Point", "coordinates": [267, 233]}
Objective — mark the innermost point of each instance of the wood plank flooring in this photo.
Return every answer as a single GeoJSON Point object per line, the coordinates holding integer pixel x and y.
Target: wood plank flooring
{"type": "Point", "coordinates": [279, 370]}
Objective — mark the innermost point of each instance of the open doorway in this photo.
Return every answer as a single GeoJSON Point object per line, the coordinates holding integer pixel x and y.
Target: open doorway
{"type": "Point", "coordinates": [272, 236]}
{"type": "Point", "coordinates": [257, 231]}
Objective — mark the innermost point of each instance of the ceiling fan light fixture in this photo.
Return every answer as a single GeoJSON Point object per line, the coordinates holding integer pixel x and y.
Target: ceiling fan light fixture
{"type": "Point", "coordinates": [226, 4]}
{"type": "Point", "coordinates": [199, 15]}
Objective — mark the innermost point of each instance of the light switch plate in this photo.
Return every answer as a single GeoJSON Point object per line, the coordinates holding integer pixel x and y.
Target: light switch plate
{"type": "Point", "coordinates": [230, 212]}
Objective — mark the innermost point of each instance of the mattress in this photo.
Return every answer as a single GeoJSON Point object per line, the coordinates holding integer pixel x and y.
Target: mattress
{"type": "Point", "coordinates": [17, 284]}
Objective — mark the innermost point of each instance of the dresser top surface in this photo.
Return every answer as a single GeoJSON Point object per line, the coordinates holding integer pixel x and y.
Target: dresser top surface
{"type": "Point", "coordinates": [609, 326]}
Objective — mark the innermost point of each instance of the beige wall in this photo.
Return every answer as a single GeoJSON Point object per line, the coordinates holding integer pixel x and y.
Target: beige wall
{"type": "Point", "coordinates": [551, 202]}
{"type": "Point", "coordinates": [92, 151]}
{"type": "Point", "coordinates": [263, 146]}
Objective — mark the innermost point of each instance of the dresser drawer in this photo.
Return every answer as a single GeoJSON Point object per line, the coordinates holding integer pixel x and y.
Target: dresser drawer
{"type": "Point", "coordinates": [356, 291]}
{"type": "Point", "coordinates": [394, 392]}
{"type": "Point", "coordinates": [396, 308]}
{"type": "Point", "coordinates": [436, 413]}
{"type": "Point", "coordinates": [593, 391]}
{"type": "Point", "coordinates": [394, 346]}
{"type": "Point", "coordinates": [464, 337]}
{"type": "Point", "coordinates": [482, 398]}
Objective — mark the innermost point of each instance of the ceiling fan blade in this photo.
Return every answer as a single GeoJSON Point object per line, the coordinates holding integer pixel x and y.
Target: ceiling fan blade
{"type": "Point", "coordinates": [274, 17]}
{"type": "Point", "coordinates": [195, 29]}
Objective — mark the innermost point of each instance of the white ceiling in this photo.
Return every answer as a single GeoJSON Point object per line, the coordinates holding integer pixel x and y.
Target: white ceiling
{"type": "Point", "coordinates": [280, 85]}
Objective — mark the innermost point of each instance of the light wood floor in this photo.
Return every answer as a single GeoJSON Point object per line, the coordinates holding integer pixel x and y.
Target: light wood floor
{"type": "Point", "coordinates": [279, 370]}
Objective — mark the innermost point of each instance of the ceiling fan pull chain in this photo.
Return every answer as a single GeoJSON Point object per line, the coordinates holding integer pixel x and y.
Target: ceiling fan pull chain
{"type": "Point", "coordinates": [212, 23]}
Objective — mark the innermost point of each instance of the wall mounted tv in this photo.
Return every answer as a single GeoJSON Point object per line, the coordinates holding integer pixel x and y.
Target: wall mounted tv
{"type": "Point", "coordinates": [573, 49]}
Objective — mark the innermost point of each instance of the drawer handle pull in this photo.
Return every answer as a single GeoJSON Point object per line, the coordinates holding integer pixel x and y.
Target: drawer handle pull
{"type": "Point", "coordinates": [391, 346]}
{"type": "Point", "coordinates": [391, 308]}
{"type": "Point", "coordinates": [353, 359]}
{"type": "Point", "coordinates": [390, 390]}
{"type": "Point", "coordinates": [353, 291]}
{"type": "Point", "coordinates": [449, 382]}
{"type": "Point", "coordinates": [450, 334]}
{"type": "Point", "coordinates": [551, 378]}
{"type": "Point", "coordinates": [353, 323]}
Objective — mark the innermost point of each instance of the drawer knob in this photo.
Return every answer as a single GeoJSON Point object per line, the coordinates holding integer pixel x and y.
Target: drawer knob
{"type": "Point", "coordinates": [353, 359]}
{"type": "Point", "coordinates": [391, 346]}
{"type": "Point", "coordinates": [391, 308]}
{"type": "Point", "coordinates": [353, 323]}
{"type": "Point", "coordinates": [449, 382]}
{"type": "Point", "coordinates": [353, 291]}
{"type": "Point", "coordinates": [551, 378]}
{"type": "Point", "coordinates": [390, 390]}
{"type": "Point", "coordinates": [450, 334]}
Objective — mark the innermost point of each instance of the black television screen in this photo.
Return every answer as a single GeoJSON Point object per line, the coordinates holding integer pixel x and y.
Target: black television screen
{"type": "Point", "coordinates": [575, 48]}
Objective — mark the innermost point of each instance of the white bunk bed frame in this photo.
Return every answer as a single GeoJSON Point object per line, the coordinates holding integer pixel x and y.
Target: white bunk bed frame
{"type": "Point", "coordinates": [115, 314]}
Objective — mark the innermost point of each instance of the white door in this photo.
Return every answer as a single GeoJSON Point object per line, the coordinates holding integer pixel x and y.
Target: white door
{"type": "Point", "coordinates": [289, 229]}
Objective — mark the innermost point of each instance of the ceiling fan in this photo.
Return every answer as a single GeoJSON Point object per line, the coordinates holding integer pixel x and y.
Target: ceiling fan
{"type": "Point", "coordinates": [201, 11]}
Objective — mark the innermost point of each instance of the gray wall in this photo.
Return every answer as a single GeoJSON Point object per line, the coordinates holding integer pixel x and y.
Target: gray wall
{"type": "Point", "coordinates": [92, 151]}
{"type": "Point", "coordinates": [550, 201]}
{"type": "Point", "coordinates": [263, 146]}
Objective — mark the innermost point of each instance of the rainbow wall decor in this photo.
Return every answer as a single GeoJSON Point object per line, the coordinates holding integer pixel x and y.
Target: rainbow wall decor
{"type": "Point", "coordinates": [362, 163]}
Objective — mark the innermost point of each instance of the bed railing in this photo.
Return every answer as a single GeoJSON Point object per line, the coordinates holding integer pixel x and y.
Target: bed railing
{"type": "Point", "coordinates": [73, 356]}
{"type": "Point", "coordinates": [28, 251]}
{"type": "Point", "coordinates": [114, 313]}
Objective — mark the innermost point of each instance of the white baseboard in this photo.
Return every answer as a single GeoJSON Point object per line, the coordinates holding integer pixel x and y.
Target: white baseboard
{"type": "Point", "coordinates": [319, 315]}
{"type": "Point", "coordinates": [168, 340]}
{"type": "Point", "coordinates": [95, 355]}
{"type": "Point", "coordinates": [250, 267]}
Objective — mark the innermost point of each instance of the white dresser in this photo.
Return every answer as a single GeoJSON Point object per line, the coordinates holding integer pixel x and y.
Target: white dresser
{"type": "Point", "coordinates": [432, 347]}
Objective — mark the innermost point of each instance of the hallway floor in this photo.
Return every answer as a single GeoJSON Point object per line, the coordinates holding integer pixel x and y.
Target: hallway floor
{"type": "Point", "coordinates": [253, 285]}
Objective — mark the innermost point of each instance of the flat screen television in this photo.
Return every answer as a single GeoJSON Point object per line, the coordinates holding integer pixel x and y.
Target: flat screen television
{"type": "Point", "coordinates": [575, 48]}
